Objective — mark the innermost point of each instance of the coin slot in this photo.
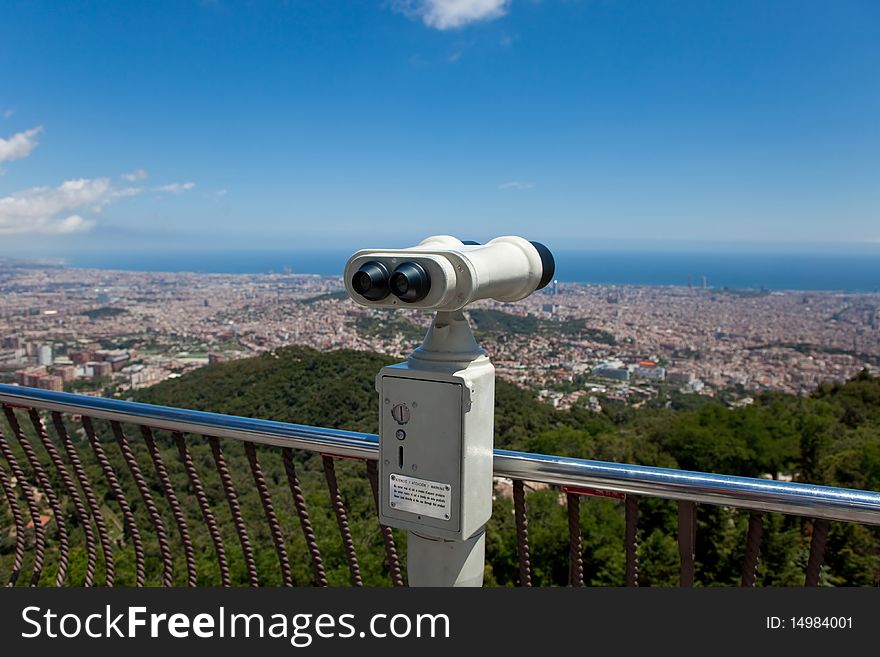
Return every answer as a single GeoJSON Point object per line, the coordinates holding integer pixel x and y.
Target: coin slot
{"type": "Point", "coordinates": [400, 457]}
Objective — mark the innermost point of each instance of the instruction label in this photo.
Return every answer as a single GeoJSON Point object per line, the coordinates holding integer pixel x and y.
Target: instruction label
{"type": "Point", "coordinates": [421, 496]}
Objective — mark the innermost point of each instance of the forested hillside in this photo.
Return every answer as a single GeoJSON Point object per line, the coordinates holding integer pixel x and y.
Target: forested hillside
{"type": "Point", "coordinates": [831, 438]}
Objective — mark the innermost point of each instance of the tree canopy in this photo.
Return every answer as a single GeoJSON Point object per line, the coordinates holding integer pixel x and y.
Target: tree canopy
{"type": "Point", "coordinates": [832, 437]}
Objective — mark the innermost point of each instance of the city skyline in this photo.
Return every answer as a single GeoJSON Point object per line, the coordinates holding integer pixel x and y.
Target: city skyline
{"type": "Point", "coordinates": [207, 125]}
{"type": "Point", "coordinates": [86, 329]}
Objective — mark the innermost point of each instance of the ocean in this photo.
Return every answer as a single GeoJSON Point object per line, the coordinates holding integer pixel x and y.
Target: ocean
{"type": "Point", "coordinates": [857, 272]}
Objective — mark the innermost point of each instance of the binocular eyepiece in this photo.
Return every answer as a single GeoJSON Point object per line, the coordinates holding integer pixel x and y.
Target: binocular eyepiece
{"type": "Point", "coordinates": [443, 273]}
{"type": "Point", "coordinates": [409, 282]}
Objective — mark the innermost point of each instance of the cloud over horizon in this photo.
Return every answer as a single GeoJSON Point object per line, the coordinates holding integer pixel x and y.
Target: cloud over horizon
{"type": "Point", "coordinates": [19, 145]}
{"type": "Point", "coordinates": [450, 14]}
{"type": "Point", "coordinates": [56, 210]}
{"type": "Point", "coordinates": [175, 188]}
{"type": "Point", "coordinates": [132, 176]}
{"type": "Point", "coordinates": [64, 209]}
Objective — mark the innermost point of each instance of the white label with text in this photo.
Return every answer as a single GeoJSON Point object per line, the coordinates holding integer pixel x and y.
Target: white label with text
{"type": "Point", "coordinates": [421, 496]}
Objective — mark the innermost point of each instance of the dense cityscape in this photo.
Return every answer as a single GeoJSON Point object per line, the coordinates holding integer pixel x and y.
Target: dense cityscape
{"type": "Point", "coordinates": [106, 332]}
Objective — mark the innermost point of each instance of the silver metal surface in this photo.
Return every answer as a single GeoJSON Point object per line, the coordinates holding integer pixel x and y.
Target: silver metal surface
{"type": "Point", "coordinates": [327, 441]}
{"type": "Point", "coordinates": [759, 494]}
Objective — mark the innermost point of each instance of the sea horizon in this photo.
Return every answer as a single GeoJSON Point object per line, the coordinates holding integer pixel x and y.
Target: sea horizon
{"type": "Point", "coordinates": [749, 271]}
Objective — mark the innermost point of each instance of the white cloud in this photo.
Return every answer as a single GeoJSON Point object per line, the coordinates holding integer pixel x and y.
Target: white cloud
{"type": "Point", "coordinates": [175, 188]}
{"type": "Point", "coordinates": [19, 145]}
{"type": "Point", "coordinates": [446, 14]}
{"type": "Point", "coordinates": [516, 184]}
{"type": "Point", "coordinates": [52, 210]}
{"type": "Point", "coordinates": [72, 224]}
{"type": "Point", "coordinates": [7, 114]}
{"type": "Point", "coordinates": [133, 176]}
{"type": "Point", "coordinates": [126, 191]}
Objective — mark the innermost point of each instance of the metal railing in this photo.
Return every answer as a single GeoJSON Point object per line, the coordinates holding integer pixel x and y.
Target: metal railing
{"type": "Point", "coordinates": [34, 486]}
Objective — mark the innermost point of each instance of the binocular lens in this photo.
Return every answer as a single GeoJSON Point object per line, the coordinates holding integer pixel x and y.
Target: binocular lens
{"type": "Point", "coordinates": [410, 282]}
{"type": "Point", "coordinates": [371, 281]}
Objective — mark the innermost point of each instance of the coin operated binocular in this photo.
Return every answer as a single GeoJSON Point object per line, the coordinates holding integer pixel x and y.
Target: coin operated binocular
{"type": "Point", "coordinates": [436, 410]}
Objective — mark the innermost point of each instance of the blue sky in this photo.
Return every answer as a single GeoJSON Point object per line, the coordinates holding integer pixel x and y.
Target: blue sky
{"type": "Point", "coordinates": [186, 124]}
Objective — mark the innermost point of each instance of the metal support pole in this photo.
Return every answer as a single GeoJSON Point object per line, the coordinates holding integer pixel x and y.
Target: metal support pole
{"type": "Point", "coordinates": [436, 425]}
{"type": "Point", "coordinates": [439, 562]}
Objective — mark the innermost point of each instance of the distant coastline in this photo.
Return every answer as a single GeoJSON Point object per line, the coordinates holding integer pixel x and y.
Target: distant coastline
{"type": "Point", "coordinates": [785, 271]}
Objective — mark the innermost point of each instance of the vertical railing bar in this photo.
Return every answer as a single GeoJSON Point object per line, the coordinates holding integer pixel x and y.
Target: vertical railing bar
{"type": "Point", "coordinates": [92, 501]}
{"type": "Point", "coordinates": [43, 480]}
{"type": "Point", "coordinates": [121, 500]}
{"type": "Point", "coordinates": [753, 549]}
{"type": "Point", "coordinates": [17, 518]}
{"type": "Point", "coordinates": [575, 545]}
{"type": "Point", "coordinates": [152, 510]}
{"type": "Point", "coordinates": [342, 520]}
{"type": "Point", "coordinates": [235, 510]}
{"type": "Point", "coordinates": [687, 520]}
{"type": "Point", "coordinates": [72, 492]}
{"type": "Point", "coordinates": [192, 579]}
{"type": "Point", "coordinates": [33, 509]}
{"type": "Point", "coordinates": [817, 552]}
{"type": "Point", "coordinates": [271, 518]}
{"type": "Point", "coordinates": [204, 507]}
{"type": "Point", "coordinates": [686, 515]}
{"type": "Point", "coordinates": [522, 533]}
{"type": "Point", "coordinates": [394, 569]}
{"type": "Point", "coordinates": [631, 511]}
{"type": "Point", "coordinates": [302, 512]}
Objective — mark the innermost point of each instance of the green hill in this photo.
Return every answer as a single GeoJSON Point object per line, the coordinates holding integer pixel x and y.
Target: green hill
{"type": "Point", "coordinates": [832, 438]}
{"type": "Point", "coordinates": [496, 322]}
{"type": "Point", "coordinates": [336, 389]}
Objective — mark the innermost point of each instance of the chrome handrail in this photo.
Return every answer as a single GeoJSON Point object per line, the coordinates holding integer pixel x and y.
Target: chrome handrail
{"type": "Point", "coordinates": [335, 442]}
{"type": "Point", "coordinates": [759, 494]}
